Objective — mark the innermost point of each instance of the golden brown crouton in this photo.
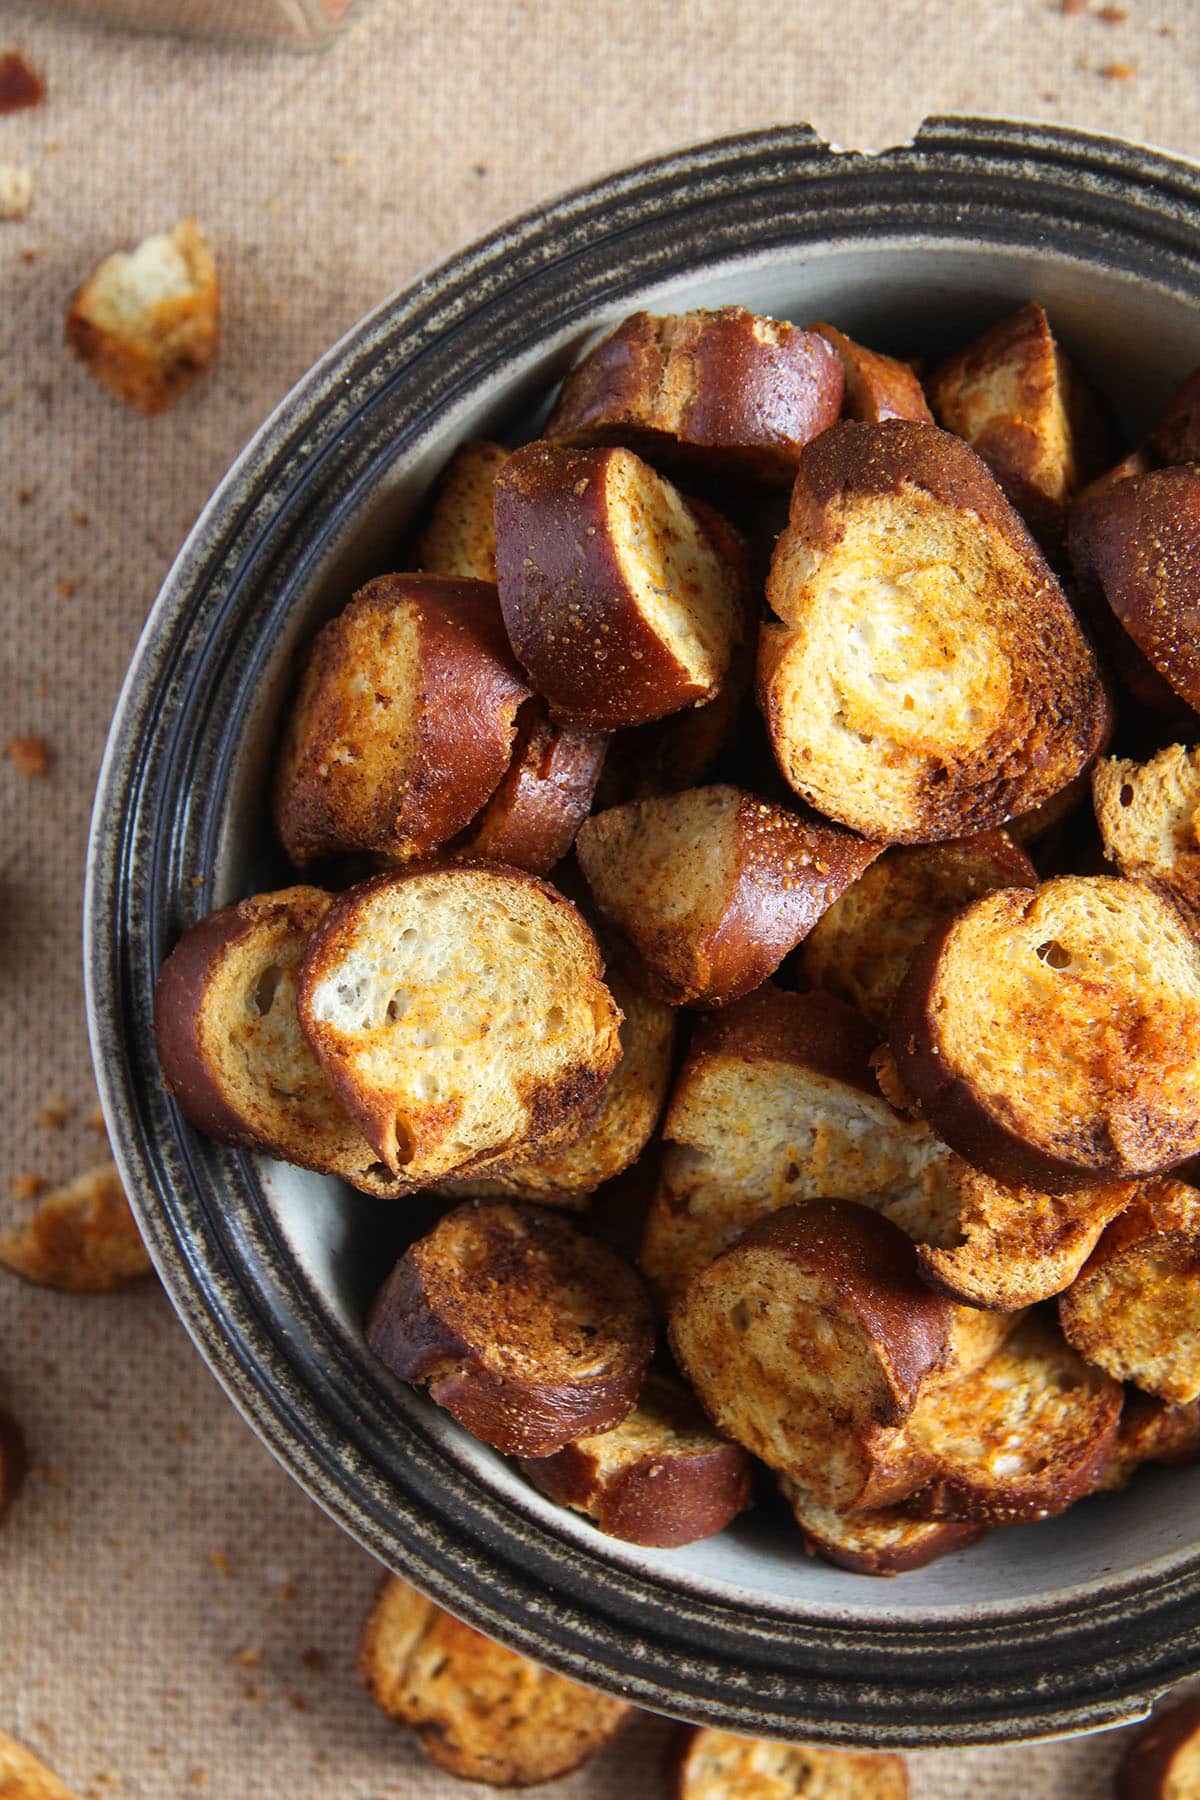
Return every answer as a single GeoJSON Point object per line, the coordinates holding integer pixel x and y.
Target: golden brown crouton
{"type": "Point", "coordinates": [23, 1776]}
{"type": "Point", "coordinates": [81, 1239]}
{"type": "Point", "coordinates": [1149, 818]}
{"type": "Point", "coordinates": [715, 1765]}
{"type": "Point", "coordinates": [885, 1542]}
{"type": "Point", "coordinates": [482, 1712]}
{"type": "Point", "coordinates": [877, 387]}
{"type": "Point", "coordinates": [460, 536]}
{"type": "Point", "coordinates": [529, 1333]}
{"type": "Point", "coordinates": [145, 323]}
{"type": "Point", "coordinates": [543, 797]}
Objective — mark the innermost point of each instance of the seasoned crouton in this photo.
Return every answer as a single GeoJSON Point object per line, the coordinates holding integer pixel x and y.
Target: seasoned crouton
{"type": "Point", "coordinates": [459, 1014]}
{"type": "Point", "coordinates": [616, 598]}
{"type": "Point", "coordinates": [715, 1765]}
{"type": "Point", "coordinates": [81, 1239]}
{"type": "Point", "coordinates": [1149, 818]}
{"type": "Point", "coordinates": [481, 1712]}
{"type": "Point", "coordinates": [543, 798]}
{"type": "Point", "coordinates": [23, 1776]}
{"type": "Point", "coordinates": [1053, 1037]}
{"type": "Point", "coordinates": [460, 536]}
{"type": "Point", "coordinates": [145, 323]}
{"type": "Point", "coordinates": [886, 1542]}
{"type": "Point", "coordinates": [710, 889]}
{"type": "Point", "coordinates": [710, 393]}
{"type": "Point", "coordinates": [860, 948]}
{"type": "Point", "coordinates": [1162, 1761]}
{"type": "Point", "coordinates": [529, 1333]}
{"type": "Point", "coordinates": [404, 722]}
{"type": "Point", "coordinates": [929, 680]}
{"type": "Point", "coordinates": [1134, 1308]}
{"type": "Point", "coordinates": [877, 387]}
{"type": "Point", "coordinates": [662, 1476]}
{"type": "Point", "coordinates": [1020, 405]}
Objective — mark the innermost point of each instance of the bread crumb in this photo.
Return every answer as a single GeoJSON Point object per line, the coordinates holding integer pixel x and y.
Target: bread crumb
{"type": "Point", "coordinates": [198, 1778]}
{"type": "Point", "coordinates": [65, 588]}
{"type": "Point", "coordinates": [54, 1112]}
{"type": "Point", "coordinates": [248, 1658]}
{"type": "Point", "coordinates": [80, 518]}
{"type": "Point", "coordinates": [1072, 7]}
{"type": "Point", "coordinates": [16, 191]}
{"type": "Point", "coordinates": [286, 1590]}
{"type": "Point", "coordinates": [29, 755]}
{"type": "Point", "coordinates": [28, 1186]}
{"type": "Point", "coordinates": [82, 1239]}
{"type": "Point", "coordinates": [1118, 71]}
{"type": "Point", "coordinates": [95, 1122]}
{"type": "Point", "coordinates": [220, 1561]}
{"type": "Point", "coordinates": [314, 1659]}
{"type": "Point", "coordinates": [1113, 15]}
{"type": "Point", "coordinates": [20, 83]}
{"type": "Point", "coordinates": [300, 1702]}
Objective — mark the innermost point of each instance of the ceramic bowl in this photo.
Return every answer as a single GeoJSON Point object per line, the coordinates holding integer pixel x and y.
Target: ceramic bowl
{"type": "Point", "coordinates": [1064, 1626]}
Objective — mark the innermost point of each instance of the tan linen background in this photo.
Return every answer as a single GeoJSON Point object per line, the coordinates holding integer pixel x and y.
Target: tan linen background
{"type": "Point", "coordinates": [176, 1617]}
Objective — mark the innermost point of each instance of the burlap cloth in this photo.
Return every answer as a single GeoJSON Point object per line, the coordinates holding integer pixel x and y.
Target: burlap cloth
{"type": "Point", "coordinates": [175, 1616]}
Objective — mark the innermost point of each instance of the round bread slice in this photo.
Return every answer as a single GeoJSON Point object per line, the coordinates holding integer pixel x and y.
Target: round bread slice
{"type": "Point", "coordinates": [715, 1765]}
{"type": "Point", "coordinates": [809, 1341]}
{"type": "Point", "coordinates": [1053, 1037]}
{"type": "Point", "coordinates": [860, 948]}
{"type": "Point", "coordinates": [459, 1014]}
{"type": "Point", "coordinates": [930, 680]}
{"type": "Point", "coordinates": [14, 1462]}
{"type": "Point", "coordinates": [528, 1333]}
{"type": "Point", "coordinates": [877, 387]}
{"type": "Point", "coordinates": [615, 596]}
{"type": "Point", "coordinates": [723, 394]}
{"type": "Point", "coordinates": [23, 1776]}
{"type": "Point", "coordinates": [886, 1542]}
{"type": "Point", "coordinates": [479, 1711]}
{"type": "Point", "coordinates": [1134, 1308]}
{"type": "Point", "coordinates": [460, 535]}
{"type": "Point", "coordinates": [404, 721]}
{"type": "Point", "coordinates": [1023, 1437]}
{"type": "Point", "coordinates": [661, 1477]}
{"type": "Point", "coordinates": [230, 1044]}
{"type": "Point", "coordinates": [1162, 1761]}
{"type": "Point", "coordinates": [710, 889]}
{"type": "Point", "coordinates": [546, 794]}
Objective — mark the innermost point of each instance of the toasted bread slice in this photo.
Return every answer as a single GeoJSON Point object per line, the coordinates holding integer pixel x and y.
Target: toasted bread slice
{"type": "Point", "coordinates": [615, 596]}
{"type": "Point", "coordinates": [1014, 397]}
{"type": "Point", "coordinates": [81, 1239]}
{"type": "Point", "coordinates": [479, 1711]}
{"type": "Point", "coordinates": [1140, 540]}
{"type": "Point", "coordinates": [661, 1477]}
{"type": "Point", "coordinates": [1162, 1760]}
{"type": "Point", "coordinates": [23, 1776]}
{"type": "Point", "coordinates": [1053, 1038]}
{"type": "Point", "coordinates": [1023, 1437]}
{"type": "Point", "coordinates": [886, 1542]}
{"type": "Point", "coordinates": [529, 1333]}
{"type": "Point", "coordinates": [713, 393]}
{"type": "Point", "coordinates": [1134, 1308]}
{"type": "Point", "coordinates": [459, 1014]}
{"type": "Point", "coordinates": [546, 794]}
{"type": "Point", "coordinates": [1176, 437]}
{"type": "Point", "coordinates": [620, 1131]}
{"type": "Point", "coordinates": [145, 323]}
{"type": "Point", "coordinates": [1133, 670]}
{"type": "Point", "coordinates": [230, 1044]}
{"type": "Point", "coordinates": [861, 947]}
{"type": "Point", "coordinates": [877, 387]}
{"type": "Point", "coordinates": [1151, 1431]}
{"type": "Point", "coordinates": [930, 680]}
{"type": "Point", "coordinates": [460, 535]}
{"type": "Point", "coordinates": [404, 722]}
{"type": "Point", "coordinates": [715, 1765]}
{"type": "Point", "coordinates": [14, 1463]}
{"type": "Point", "coordinates": [1149, 818]}
{"type": "Point", "coordinates": [809, 1341]}
{"type": "Point", "coordinates": [710, 889]}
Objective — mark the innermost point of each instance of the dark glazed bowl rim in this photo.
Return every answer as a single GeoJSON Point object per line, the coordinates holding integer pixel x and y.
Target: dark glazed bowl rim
{"type": "Point", "coordinates": [1080, 1661]}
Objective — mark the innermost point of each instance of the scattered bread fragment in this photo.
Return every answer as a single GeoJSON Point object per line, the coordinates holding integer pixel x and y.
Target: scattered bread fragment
{"type": "Point", "coordinates": [929, 679]}
{"type": "Point", "coordinates": [529, 1333]}
{"type": "Point", "coordinates": [662, 1476]}
{"type": "Point", "coordinates": [459, 1014]}
{"type": "Point", "coordinates": [460, 535]}
{"type": "Point", "coordinates": [710, 889]}
{"type": "Point", "coordinates": [885, 1542]}
{"type": "Point", "coordinates": [542, 799]}
{"type": "Point", "coordinates": [16, 191]}
{"type": "Point", "coordinates": [861, 946]}
{"type": "Point", "coordinates": [14, 1463]}
{"type": "Point", "coordinates": [479, 1711]}
{"type": "Point", "coordinates": [1162, 1760]}
{"type": "Point", "coordinates": [230, 1044]}
{"type": "Point", "coordinates": [23, 1776]}
{"type": "Point", "coordinates": [715, 1765]}
{"type": "Point", "coordinates": [709, 393]}
{"type": "Point", "coordinates": [1134, 1308]}
{"type": "Point", "coordinates": [877, 387]}
{"type": "Point", "coordinates": [29, 755]}
{"type": "Point", "coordinates": [1149, 818]}
{"type": "Point", "coordinates": [404, 722]}
{"type": "Point", "coordinates": [1053, 1037]}
{"type": "Point", "coordinates": [81, 1239]}
{"type": "Point", "coordinates": [145, 323]}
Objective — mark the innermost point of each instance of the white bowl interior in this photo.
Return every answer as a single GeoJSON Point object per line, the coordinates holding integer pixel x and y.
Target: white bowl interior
{"type": "Point", "coordinates": [1134, 340]}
